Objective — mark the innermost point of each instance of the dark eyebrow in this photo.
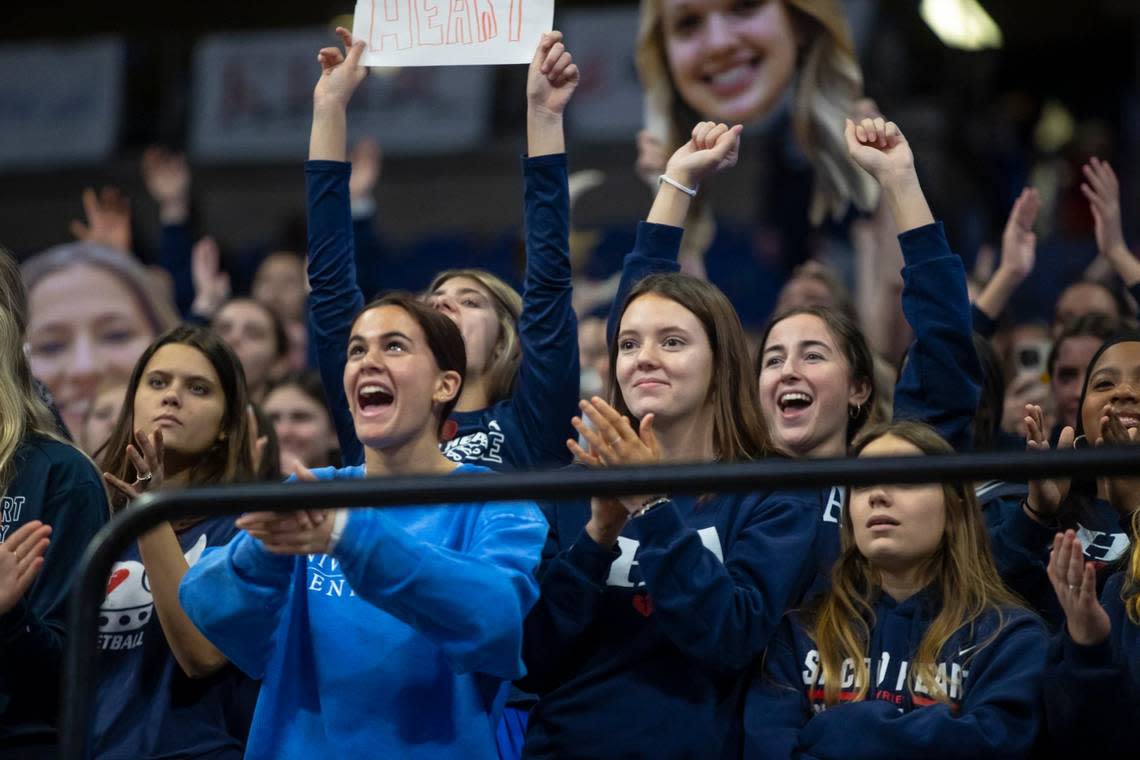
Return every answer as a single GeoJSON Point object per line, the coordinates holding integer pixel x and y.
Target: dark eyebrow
{"type": "Point", "coordinates": [395, 334]}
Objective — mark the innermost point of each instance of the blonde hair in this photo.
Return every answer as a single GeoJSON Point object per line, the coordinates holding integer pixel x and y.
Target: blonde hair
{"type": "Point", "coordinates": [507, 352]}
{"type": "Point", "coordinates": [961, 570]}
{"type": "Point", "coordinates": [22, 411]}
{"type": "Point", "coordinates": [1131, 588]}
{"type": "Point", "coordinates": [828, 82]}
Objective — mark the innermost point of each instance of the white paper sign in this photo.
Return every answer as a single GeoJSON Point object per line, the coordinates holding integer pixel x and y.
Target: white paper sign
{"type": "Point", "coordinates": [450, 32]}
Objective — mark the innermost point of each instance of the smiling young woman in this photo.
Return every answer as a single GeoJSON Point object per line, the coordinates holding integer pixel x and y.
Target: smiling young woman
{"type": "Point", "coordinates": [916, 649]}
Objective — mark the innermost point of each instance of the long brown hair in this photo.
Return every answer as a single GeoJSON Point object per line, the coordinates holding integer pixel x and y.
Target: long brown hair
{"type": "Point", "coordinates": [828, 82]}
{"type": "Point", "coordinates": [738, 431]}
{"type": "Point", "coordinates": [507, 353]}
{"type": "Point", "coordinates": [229, 459]}
{"type": "Point", "coordinates": [22, 412]}
{"type": "Point", "coordinates": [962, 572]}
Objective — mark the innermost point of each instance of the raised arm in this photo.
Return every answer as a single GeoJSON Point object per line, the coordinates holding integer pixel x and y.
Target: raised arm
{"type": "Point", "coordinates": [942, 378]}
{"type": "Point", "coordinates": [335, 298]}
{"type": "Point", "coordinates": [1103, 192]}
{"type": "Point", "coordinates": [546, 389]}
{"type": "Point", "coordinates": [1018, 255]}
{"type": "Point", "coordinates": [166, 176]}
{"type": "Point", "coordinates": [711, 148]}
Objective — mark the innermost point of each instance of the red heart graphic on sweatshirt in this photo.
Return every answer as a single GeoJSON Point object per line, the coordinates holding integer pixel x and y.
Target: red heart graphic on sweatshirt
{"type": "Point", "coordinates": [643, 603]}
{"type": "Point", "coordinates": [116, 579]}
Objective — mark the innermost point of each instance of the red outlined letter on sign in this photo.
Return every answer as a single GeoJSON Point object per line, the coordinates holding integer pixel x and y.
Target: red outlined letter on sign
{"type": "Point", "coordinates": [391, 21]}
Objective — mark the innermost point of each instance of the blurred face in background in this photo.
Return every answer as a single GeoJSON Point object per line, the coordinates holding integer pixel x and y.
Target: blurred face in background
{"type": "Point", "coordinates": [101, 418]}
{"type": "Point", "coordinates": [304, 430]}
{"type": "Point", "coordinates": [1081, 299]}
{"type": "Point", "coordinates": [730, 60]}
{"type": "Point", "coordinates": [593, 357]}
{"type": "Point", "coordinates": [84, 327]}
{"type": "Point", "coordinates": [281, 284]}
{"type": "Point", "coordinates": [1068, 376]}
{"type": "Point", "coordinates": [248, 328]}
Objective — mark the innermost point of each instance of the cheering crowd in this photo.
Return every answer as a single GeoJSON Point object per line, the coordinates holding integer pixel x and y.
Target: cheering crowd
{"type": "Point", "coordinates": [974, 620]}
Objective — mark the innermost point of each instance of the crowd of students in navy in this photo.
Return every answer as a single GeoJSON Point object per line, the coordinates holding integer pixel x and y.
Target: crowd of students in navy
{"type": "Point", "coordinates": [957, 620]}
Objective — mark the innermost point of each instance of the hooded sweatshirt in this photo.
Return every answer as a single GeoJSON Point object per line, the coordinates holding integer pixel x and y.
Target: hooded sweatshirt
{"type": "Point", "coordinates": [642, 649]}
{"type": "Point", "coordinates": [396, 644]}
{"type": "Point", "coordinates": [990, 673]}
{"type": "Point", "coordinates": [1092, 693]}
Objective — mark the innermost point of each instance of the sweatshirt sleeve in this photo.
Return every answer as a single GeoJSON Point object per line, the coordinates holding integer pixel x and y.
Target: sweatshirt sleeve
{"type": "Point", "coordinates": [235, 596]}
{"type": "Point", "coordinates": [174, 255]}
{"type": "Point", "coordinates": [983, 325]}
{"type": "Point", "coordinates": [545, 397]}
{"type": "Point", "coordinates": [1020, 548]}
{"type": "Point", "coordinates": [941, 379]}
{"type": "Point", "coordinates": [369, 255]}
{"type": "Point", "coordinates": [723, 613]}
{"type": "Point", "coordinates": [999, 717]}
{"type": "Point", "coordinates": [571, 588]}
{"type": "Point", "coordinates": [32, 633]}
{"type": "Point", "coordinates": [655, 251]}
{"type": "Point", "coordinates": [776, 707]}
{"type": "Point", "coordinates": [469, 603]}
{"type": "Point", "coordinates": [335, 299]}
{"type": "Point", "coordinates": [1092, 704]}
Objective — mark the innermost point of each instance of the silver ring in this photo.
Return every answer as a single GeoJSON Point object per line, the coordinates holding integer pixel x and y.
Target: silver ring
{"type": "Point", "coordinates": [144, 478]}
{"type": "Point", "coordinates": [614, 442]}
{"type": "Point", "coordinates": [1073, 588]}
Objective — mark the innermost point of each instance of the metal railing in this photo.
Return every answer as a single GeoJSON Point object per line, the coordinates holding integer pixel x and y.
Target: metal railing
{"type": "Point", "coordinates": [79, 675]}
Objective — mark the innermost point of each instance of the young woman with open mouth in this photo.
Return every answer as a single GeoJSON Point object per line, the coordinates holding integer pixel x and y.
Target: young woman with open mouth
{"type": "Point", "coordinates": [521, 384]}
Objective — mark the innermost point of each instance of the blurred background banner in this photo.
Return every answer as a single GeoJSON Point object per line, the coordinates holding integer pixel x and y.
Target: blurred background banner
{"type": "Point", "coordinates": [253, 98]}
{"type": "Point", "coordinates": [60, 103]}
{"type": "Point", "coordinates": [607, 105]}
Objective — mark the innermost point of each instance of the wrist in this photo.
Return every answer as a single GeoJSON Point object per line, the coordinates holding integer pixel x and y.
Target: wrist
{"type": "Point", "coordinates": [900, 181]}
{"type": "Point", "coordinates": [329, 110]}
{"type": "Point", "coordinates": [543, 115]}
{"type": "Point", "coordinates": [1085, 638]}
{"type": "Point", "coordinates": [174, 211]}
{"type": "Point", "coordinates": [686, 177]}
{"type": "Point", "coordinates": [1042, 516]}
{"type": "Point", "coordinates": [604, 533]}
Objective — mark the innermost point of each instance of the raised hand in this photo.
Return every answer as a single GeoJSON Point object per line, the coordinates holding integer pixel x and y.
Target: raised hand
{"type": "Point", "coordinates": [1018, 241]}
{"type": "Point", "coordinates": [1074, 582]}
{"type": "Point", "coordinates": [367, 160]}
{"type": "Point", "coordinates": [1123, 493]}
{"type": "Point", "coordinates": [711, 149]}
{"type": "Point", "coordinates": [108, 219]}
{"type": "Point", "coordinates": [1103, 192]}
{"type": "Point", "coordinates": [21, 558]}
{"type": "Point", "coordinates": [167, 178]}
{"type": "Point", "coordinates": [879, 148]}
{"type": "Point", "coordinates": [651, 158]}
{"type": "Point", "coordinates": [1045, 496]}
{"type": "Point", "coordinates": [614, 443]}
{"type": "Point", "coordinates": [341, 73]}
{"type": "Point", "coordinates": [211, 284]}
{"type": "Point", "coordinates": [553, 76]}
{"type": "Point", "coordinates": [254, 442]}
{"type": "Point", "coordinates": [306, 531]}
{"type": "Point", "coordinates": [148, 458]}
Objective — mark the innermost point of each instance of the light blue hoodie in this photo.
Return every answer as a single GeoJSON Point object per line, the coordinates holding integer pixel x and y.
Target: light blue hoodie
{"type": "Point", "coordinates": [396, 645]}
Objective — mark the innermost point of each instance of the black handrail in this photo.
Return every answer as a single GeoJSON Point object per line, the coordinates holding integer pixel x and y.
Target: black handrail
{"type": "Point", "coordinates": [154, 509]}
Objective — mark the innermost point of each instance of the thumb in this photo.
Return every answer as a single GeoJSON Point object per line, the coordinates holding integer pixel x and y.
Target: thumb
{"type": "Point", "coordinates": [853, 143]}
{"type": "Point", "coordinates": [79, 230]}
{"type": "Point", "coordinates": [726, 142]}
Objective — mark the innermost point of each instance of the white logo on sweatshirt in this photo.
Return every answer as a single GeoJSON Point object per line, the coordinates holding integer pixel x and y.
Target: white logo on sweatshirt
{"type": "Point", "coordinates": [129, 605]}
{"type": "Point", "coordinates": [12, 507]}
{"type": "Point", "coordinates": [833, 511]}
{"type": "Point", "coordinates": [326, 578]}
{"type": "Point", "coordinates": [622, 569]}
{"type": "Point", "coordinates": [477, 447]}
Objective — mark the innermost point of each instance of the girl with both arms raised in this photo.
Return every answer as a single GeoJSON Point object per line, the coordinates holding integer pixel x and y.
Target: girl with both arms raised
{"type": "Point", "coordinates": [653, 608]}
{"type": "Point", "coordinates": [522, 378]}
{"type": "Point", "coordinates": [378, 633]}
{"type": "Point", "coordinates": [916, 649]}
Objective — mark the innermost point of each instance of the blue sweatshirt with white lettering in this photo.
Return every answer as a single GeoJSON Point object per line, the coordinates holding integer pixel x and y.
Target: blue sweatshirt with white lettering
{"type": "Point", "coordinates": [396, 645]}
{"type": "Point", "coordinates": [55, 483]}
{"type": "Point", "coordinates": [1092, 693]}
{"type": "Point", "coordinates": [529, 428]}
{"type": "Point", "coordinates": [990, 676]}
{"type": "Point", "coordinates": [941, 379]}
{"type": "Point", "coordinates": [643, 649]}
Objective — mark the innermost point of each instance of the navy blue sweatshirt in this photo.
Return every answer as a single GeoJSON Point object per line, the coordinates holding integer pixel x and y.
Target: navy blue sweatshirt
{"type": "Point", "coordinates": [1021, 547]}
{"type": "Point", "coordinates": [1092, 693]}
{"type": "Point", "coordinates": [146, 706]}
{"type": "Point", "coordinates": [58, 485]}
{"type": "Point", "coordinates": [527, 430]}
{"type": "Point", "coordinates": [992, 678]}
{"type": "Point", "coordinates": [642, 650]}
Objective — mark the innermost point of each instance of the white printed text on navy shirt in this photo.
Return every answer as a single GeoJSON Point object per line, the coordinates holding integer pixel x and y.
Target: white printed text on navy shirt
{"type": "Point", "coordinates": [624, 571]}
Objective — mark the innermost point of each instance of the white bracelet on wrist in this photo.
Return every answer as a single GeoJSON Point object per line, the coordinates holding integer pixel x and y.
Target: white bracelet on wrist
{"type": "Point", "coordinates": [689, 191]}
{"type": "Point", "coordinates": [340, 521]}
